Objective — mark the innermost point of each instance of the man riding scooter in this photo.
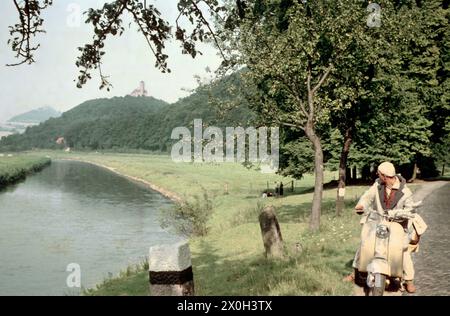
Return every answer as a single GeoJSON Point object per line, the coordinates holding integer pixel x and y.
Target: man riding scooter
{"type": "Point", "coordinates": [389, 192]}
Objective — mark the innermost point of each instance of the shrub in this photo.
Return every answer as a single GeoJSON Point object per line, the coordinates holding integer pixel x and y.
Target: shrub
{"type": "Point", "coordinates": [189, 218]}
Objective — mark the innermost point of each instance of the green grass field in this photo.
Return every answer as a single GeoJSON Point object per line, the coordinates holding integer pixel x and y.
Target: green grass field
{"type": "Point", "coordinates": [16, 167]}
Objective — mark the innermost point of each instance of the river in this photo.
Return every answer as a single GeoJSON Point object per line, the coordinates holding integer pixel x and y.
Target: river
{"type": "Point", "coordinates": [73, 212]}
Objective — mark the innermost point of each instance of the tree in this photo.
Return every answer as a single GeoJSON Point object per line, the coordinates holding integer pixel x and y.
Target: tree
{"type": "Point", "coordinates": [292, 50]}
{"type": "Point", "coordinates": [397, 133]}
{"type": "Point", "coordinates": [410, 94]}
{"type": "Point", "coordinates": [429, 68]}
{"type": "Point", "coordinates": [442, 152]}
{"type": "Point", "coordinates": [107, 22]}
{"type": "Point", "coordinates": [375, 82]}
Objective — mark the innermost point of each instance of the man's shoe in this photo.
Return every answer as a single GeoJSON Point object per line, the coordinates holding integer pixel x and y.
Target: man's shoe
{"type": "Point", "coordinates": [349, 278]}
{"type": "Point", "coordinates": [410, 287]}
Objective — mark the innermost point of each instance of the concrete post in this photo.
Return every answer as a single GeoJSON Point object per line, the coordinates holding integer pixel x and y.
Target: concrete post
{"type": "Point", "coordinates": [170, 270]}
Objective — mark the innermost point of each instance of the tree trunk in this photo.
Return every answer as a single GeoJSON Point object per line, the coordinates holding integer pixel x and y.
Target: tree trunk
{"type": "Point", "coordinates": [354, 173]}
{"type": "Point", "coordinates": [342, 172]}
{"type": "Point", "coordinates": [348, 174]}
{"type": "Point", "coordinates": [310, 132]}
{"type": "Point", "coordinates": [314, 223]}
{"type": "Point", "coordinates": [443, 169]}
{"type": "Point", "coordinates": [414, 175]}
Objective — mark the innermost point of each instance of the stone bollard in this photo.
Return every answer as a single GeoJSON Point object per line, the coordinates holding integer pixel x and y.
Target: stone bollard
{"type": "Point", "coordinates": [170, 270]}
{"type": "Point", "coordinates": [271, 233]}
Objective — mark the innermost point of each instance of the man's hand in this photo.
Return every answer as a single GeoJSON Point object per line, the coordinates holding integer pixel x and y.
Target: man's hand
{"type": "Point", "coordinates": [359, 209]}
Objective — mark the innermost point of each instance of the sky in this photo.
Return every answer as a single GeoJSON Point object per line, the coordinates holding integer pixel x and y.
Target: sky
{"type": "Point", "coordinates": [128, 60]}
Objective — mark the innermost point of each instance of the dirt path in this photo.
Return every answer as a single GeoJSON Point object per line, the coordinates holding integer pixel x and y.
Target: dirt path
{"type": "Point", "coordinates": [428, 188]}
{"type": "Point", "coordinates": [432, 262]}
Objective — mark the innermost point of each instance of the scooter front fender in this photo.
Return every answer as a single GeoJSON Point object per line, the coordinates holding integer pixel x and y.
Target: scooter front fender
{"type": "Point", "coordinates": [396, 249]}
{"type": "Point", "coordinates": [379, 265]}
{"type": "Point", "coordinates": [391, 263]}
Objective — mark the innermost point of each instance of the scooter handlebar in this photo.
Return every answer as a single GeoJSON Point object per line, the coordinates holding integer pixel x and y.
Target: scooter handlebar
{"type": "Point", "coordinates": [395, 214]}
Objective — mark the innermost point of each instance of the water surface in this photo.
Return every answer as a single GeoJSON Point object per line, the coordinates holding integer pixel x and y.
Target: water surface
{"type": "Point", "coordinates": [73, 212]}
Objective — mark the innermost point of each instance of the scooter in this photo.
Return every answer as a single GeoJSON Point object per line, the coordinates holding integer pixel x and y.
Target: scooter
{"type": "Point", "coordinates": [383, 242]}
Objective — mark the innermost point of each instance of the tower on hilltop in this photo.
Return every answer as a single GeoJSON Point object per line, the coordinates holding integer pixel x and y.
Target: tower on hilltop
{"type": "Point", "coordinates": [140, 91]}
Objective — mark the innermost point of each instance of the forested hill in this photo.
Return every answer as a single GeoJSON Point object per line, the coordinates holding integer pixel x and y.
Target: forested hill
{"type": "Point", "coordinates": [36, 116]}
{"type": "Point", "coordinates": [126, 122]}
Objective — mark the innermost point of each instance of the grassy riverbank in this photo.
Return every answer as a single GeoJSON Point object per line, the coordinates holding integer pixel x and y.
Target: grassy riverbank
{"type": "Point", "coordinates": [16, 167]}
{"type": "Point", "coordinates": [230, 260]}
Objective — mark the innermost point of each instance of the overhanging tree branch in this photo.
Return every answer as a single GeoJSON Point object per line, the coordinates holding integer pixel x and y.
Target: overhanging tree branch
{"type": "Point", "coordinates": [292, 125]}
{"type": "Point", "coordinates": [107, 22]}
{"type": "Point", "coordinates": [206, 23]}
{"type": "Point", "coordinates": [29, 26]}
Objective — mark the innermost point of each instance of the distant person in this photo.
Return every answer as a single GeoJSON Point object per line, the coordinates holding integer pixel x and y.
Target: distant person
{"type": "Point", "coordinates": [281, 188]}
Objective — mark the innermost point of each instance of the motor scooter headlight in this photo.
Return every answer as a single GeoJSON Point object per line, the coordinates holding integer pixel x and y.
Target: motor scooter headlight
{"type": "Point", "coordinates": [382, 231]}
